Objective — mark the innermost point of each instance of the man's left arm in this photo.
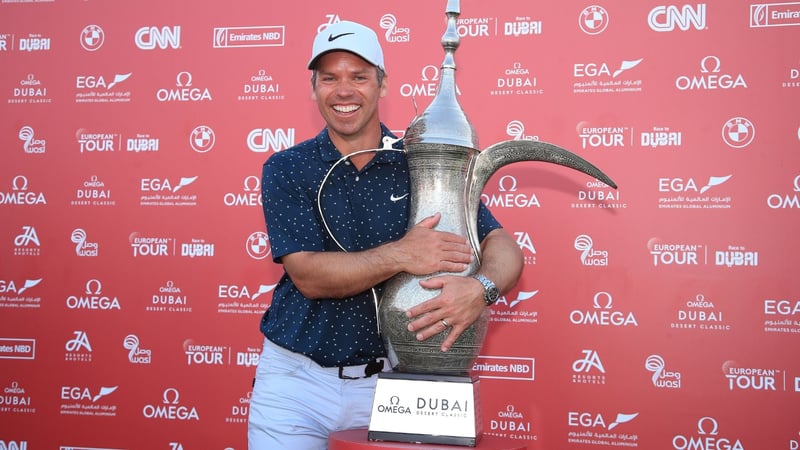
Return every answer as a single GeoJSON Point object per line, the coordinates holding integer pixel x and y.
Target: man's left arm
{"type": "Point", "coordinates": [461, 300]}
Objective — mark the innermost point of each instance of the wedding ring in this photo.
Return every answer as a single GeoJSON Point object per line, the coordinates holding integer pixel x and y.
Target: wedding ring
{"type": "Point", "coordinates": [446, 325]}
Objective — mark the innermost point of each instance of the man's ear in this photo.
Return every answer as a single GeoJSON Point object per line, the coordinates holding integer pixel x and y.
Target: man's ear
{"type": "Point", "coordinates": [385, 86]}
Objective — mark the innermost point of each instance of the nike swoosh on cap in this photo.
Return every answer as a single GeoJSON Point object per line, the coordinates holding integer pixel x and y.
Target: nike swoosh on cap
{"type": "Point", "coordinates": [333, 37]}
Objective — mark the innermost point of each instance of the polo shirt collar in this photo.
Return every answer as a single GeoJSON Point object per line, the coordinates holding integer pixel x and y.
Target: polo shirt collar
{"type": "Point", "coordinates": [329, 153]}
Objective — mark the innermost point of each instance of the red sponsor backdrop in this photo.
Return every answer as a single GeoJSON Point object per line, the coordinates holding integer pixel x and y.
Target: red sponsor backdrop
{"type": "Point", "coordinates": [134, 264]}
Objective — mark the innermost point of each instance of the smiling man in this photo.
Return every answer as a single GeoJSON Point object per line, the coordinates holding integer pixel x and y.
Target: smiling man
{"type": "Point", "coordinates": [336, 212]}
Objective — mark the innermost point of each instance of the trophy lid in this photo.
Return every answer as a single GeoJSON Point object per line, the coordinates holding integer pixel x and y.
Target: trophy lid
{"type": "Point", "coordinates": [444, 121]}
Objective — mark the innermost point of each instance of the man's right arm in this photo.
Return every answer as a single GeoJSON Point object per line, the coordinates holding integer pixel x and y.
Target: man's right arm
{"type": "Point", "coordinates": [421, 251]}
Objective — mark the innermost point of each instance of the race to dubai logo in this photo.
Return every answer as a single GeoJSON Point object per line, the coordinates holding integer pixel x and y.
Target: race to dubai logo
{"type": "Point", "coordinates": [31, 145]}
{"type": "Point", "coordinates": [394, 33]}
{"type": "Point", "coordinates": [738, 132]}
{"type": "Point", "coordinates": [661, 137]}
{"type": "Point", "coordinates": [522, 26]}
{"type": "Point", "coordinates": [249, 357]}
{"type": "Point", "coordinates": [662, 378]}
{"type": "Point", "coordinates": [92, 38]}
{"type": "Point", "coordinates": [255, 36]}
{"type": "Point", "coordinates": [593, 20]}
{"type": "Point", "coordinates": [35, 42]}
{"type": "Point", "coordinates": [142, 143]}
{"type": "Point", "coordinates": [775, 14]}
{"type": "Point", "coordinates": [736, 256]}
{"type": "Point", "coordinates": [197, 248]}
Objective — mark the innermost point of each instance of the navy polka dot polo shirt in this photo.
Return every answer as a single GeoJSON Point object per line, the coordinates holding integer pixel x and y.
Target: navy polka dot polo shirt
{"type": "Point", "coordinates": [363, 209]}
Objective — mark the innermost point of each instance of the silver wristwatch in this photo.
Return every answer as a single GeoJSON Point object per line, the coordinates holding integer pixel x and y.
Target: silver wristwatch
{"type": "Point", "coordinates": [491, 293]}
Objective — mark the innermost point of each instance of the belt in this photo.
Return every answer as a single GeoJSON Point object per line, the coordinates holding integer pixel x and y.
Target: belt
{"type": "Point", "coordinates": [364, 370]}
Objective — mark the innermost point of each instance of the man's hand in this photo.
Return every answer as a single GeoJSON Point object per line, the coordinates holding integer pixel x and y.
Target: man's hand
{"type": "Point", "coordinates": [424, 251]}
{"type": "Point", "coordinates": [459, 304]}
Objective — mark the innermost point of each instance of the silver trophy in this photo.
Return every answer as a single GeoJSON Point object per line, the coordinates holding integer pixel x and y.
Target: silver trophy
{"type": "Point", "coordinates": [447, 175]}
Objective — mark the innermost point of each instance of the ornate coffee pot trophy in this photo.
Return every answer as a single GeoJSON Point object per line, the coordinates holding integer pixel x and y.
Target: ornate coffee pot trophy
{"type": "Point", "coordinates": [448, 174]}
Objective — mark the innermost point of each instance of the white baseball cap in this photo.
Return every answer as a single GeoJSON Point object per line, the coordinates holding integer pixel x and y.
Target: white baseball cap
{"type": "Point", "coordinates": [350, 37]}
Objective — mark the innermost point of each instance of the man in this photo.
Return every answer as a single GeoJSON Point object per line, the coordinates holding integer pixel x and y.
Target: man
{"type": "Point", "coordinates": [339, 232]}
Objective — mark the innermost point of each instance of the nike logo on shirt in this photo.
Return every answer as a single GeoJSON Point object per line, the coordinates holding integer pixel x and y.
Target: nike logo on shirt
{"type": "Point", "coordinates": [395, 198]}
{"type": "Point", "coordinates": [333, 37]}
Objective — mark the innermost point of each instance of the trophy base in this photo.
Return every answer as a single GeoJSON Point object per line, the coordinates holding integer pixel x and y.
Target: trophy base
{"type": "Point", "coordinates": [426, 409]}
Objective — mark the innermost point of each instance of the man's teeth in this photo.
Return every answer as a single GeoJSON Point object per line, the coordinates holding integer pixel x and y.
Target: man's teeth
{"type": "Point", "coordinates": [345, 109]}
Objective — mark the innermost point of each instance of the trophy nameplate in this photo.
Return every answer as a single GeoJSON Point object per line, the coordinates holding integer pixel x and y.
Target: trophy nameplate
{"type": "Point", "coordinates": [426, 408]}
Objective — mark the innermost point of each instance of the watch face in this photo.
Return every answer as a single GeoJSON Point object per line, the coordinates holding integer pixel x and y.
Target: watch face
{"type": "Point", "coordinates": [492, 293]}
